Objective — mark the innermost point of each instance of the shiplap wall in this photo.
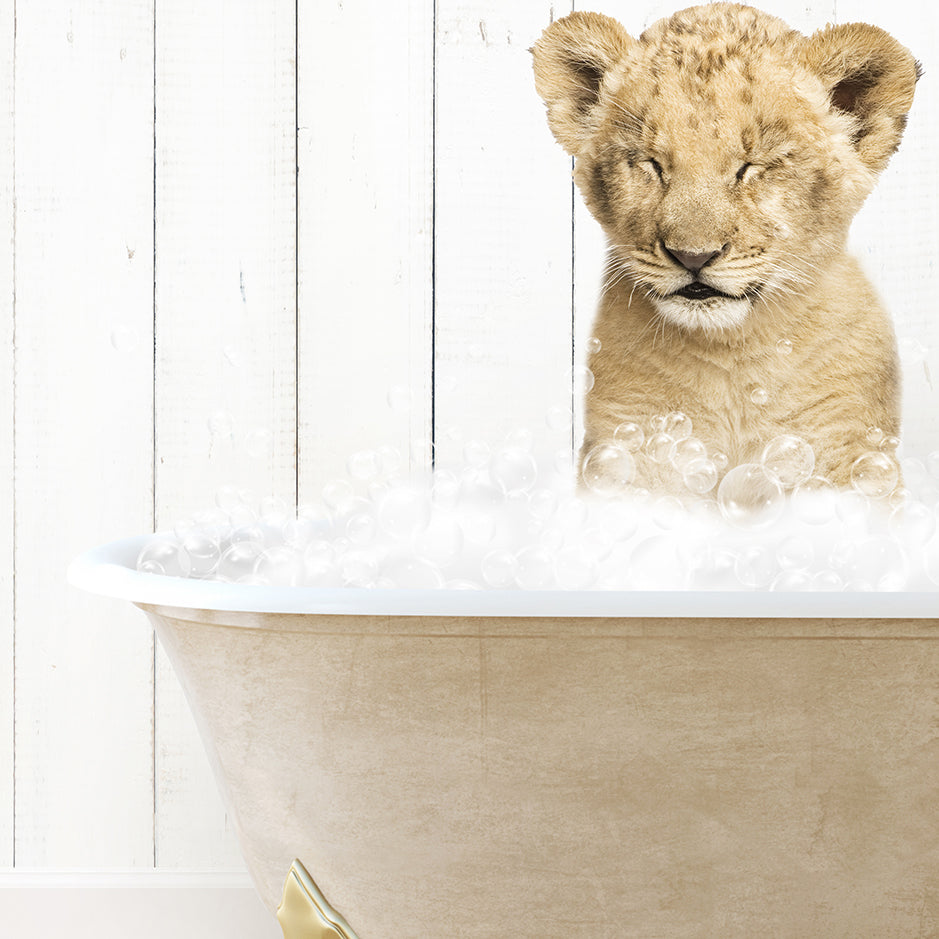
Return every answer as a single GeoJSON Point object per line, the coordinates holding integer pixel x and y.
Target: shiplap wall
{"type": "Point", "coordinates": [230, 232]}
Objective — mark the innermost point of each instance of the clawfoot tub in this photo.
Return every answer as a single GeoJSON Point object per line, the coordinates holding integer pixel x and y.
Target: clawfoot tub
{"type": "Point", "coordinates": [408, 764]}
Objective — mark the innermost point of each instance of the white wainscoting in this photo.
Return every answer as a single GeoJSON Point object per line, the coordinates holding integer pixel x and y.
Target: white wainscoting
{"type": "Point", "coordinates": [231, 232]}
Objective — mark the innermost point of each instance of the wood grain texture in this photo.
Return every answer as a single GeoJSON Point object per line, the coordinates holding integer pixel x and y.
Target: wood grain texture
{"type": "Point", "coordinates": [503, 236]}
{"type": "Point", "coordinates": [226, 323]}
{"type": "Point", "coordinates": [6, 430]}
{"type": "Point", "coordinates": [84, 444]}
{"type": "Point", "coordinates": [896, 234]}
{"type": "Point", "coordinates": [365, 113]}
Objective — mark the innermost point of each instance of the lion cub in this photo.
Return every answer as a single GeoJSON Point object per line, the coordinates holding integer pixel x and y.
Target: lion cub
{"type": "Point", "coordinates": [725, 156]}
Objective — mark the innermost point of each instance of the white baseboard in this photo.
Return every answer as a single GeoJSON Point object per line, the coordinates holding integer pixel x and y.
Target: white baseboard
{"type": "Point", "coordinates": [143, 904]}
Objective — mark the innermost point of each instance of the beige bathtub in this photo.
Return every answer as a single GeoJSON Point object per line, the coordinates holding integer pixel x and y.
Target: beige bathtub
{"type": "Point", "coordinates": [549, 775]}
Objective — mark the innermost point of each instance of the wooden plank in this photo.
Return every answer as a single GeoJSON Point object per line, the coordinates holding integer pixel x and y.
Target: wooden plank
{"type": "Point", "coordinates": [365, 227]}
{"type": "Point", "coordinates": [83, 404]}
{"type": "Point", "coordinates": [896, 234]}
{"type": "Point", "coordinates": [225, 335]}
{"type": "Point", "coordinates": [6, 431]}
{"type": "Point", "coordinates": [503, 234]}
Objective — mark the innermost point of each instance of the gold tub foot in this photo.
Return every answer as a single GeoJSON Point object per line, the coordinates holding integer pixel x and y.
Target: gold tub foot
{"type": "Point", "coordinates": [304, 913]}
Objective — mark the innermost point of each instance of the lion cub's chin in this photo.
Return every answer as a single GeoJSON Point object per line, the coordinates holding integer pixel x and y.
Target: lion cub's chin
{"type": "Point", "coordinates": [712, 316]}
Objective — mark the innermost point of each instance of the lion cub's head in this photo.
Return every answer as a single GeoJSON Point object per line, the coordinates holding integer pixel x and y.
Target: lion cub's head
{"type": "Point", "coordinates": [723, 153]}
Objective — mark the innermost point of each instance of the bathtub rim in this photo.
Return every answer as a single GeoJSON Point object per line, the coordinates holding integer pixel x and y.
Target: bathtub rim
{"type": "Point", "coordinates": [109, 570]}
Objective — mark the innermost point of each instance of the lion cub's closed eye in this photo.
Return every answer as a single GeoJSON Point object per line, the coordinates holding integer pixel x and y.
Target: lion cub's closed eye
{"type": "Point", "coordinates": [725, 156]}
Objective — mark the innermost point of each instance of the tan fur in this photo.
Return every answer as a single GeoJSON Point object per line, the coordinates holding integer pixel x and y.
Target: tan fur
{"type": "Point", "coordinates": [722, 130]}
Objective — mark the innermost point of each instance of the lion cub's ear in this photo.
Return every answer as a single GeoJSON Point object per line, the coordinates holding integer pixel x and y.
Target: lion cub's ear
{"type": "Point", "coordinates": [571, 59]}
{"type": "Point", "coordinates": [870, 76]}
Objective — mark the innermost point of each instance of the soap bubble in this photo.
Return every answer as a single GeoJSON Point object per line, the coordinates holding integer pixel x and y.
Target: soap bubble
{"type": "Point", "coordinates": [749, 498]}
{"type": "Point", "coordinates": [759, 395]}
{"type": "Point", "coordinates": [874, 436]}
{"type": "Point", "coordinates": [441, 542]}
{"type": "Point", "coordinates": [534, 568]}
{"type": "Point", "coordinates": [608, 469]}
{"type": "Point", "coordinates": [827, 580]}
{"type": "Point", "coordinates": [498, 568]}
{"type": "Point", "coordinates": [659, 447]}
{"type": "Point", "coordinates": [361, 527]}
{"type": "Point", "coordinates": [593, 345]}
{"type": "Point", "coordinates": [700, 476]}
{"type": "Point", "coordinates": [687, 450]}
{"type": "Point", "coordinates": [203, 552]}
{"type": "Point", "coordinates": [412, 573]}
{"type": "Point", "coordinates": [632, 436]}
{"type": "Point", "coordinates": [403, 511]}
{"type": "Point", "coordinates": [655, 564]}
{"type": "Point", "coordinates": [163, 556]}
{"type": "Point", "coordinates": [792, 580]}
{"type": "Point", "coordinates": [720, 460]}
{"type": "Point", "coordinates": [514, 469]}
{"type": "Point", "coordinates": [795, 553]}
{"type": "Point", "coordinates": [912, 523]}
{"type": "Point", "coordinates": [575, 568]}
{"type": "Point", "coordinates": [677, 425]}
{"type": "Point", "coordinates": [784, 347]}
{"type": "Point", "coordinates": [874, 474]}
{"type": "Point", "coordinates": [358, 567]}
{"type": "Point", "coordinates": [668, 512]}
{"type": "Point", "coordinates": [788, 460]}
{"type": "Point", "coordinates": [559, 418]}
{"type": "Point", "coordinates": [238, 560]}
{"type": "Point", "coordinates": [755, 566]}
{"type": "Point", "coordinates": [813, 501]}
{"type": "Point", "coordinates": [876, 560]}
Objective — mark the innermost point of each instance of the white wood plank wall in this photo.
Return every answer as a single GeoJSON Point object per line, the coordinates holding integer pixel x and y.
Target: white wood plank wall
{"type": "Point", "coordinates": [239, 242]}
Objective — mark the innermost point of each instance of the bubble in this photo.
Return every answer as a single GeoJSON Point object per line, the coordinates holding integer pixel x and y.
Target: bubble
{"type": "Point", "coordinates": [238, 560]}
{"type": "Point", "coordinates": [361, 528]}
{"type": "Point", "coordinates": [498, 568]}
{"type": "Point", "coordinates": [203, 552]}
{"type": "Point", "coordinates": [441, 542]}
{"type": "Point", "coordinates": [720, 460]}
{"type": "Point", "coordinates": [687, 450]}
{"type": "Point", "coordinates": [585, 379]}
{"type": "Point", "coordinates": [876, 560]}
{"type": "Point", "coordinates": [593, 345]}
{"type": "Point", "coordinates": [476, 453]}
{"type": "Point", "coordinates": [700, 476]}
{"type": "Point", "coordinates": [403, 512]}
{"type": "Point", "coordinates": [889, 444]}
{"type": "Point", "coordinates": [813, 501]}
{"type": "Point", "coordinates": [300, 531]}
{"type": "Point", "coordinates": [659, 447]}
{"type": "Point", "coordinates": [853, 508]}
{"type": "Point", "coordinates": [784, 347]}
{"type": "Point", "coordinates": [668, 512]}
{"type": "Point", "coordinates": [411, 573]}
{"type": "Point", "coordinates": [827, 580]}
{"type": "Point", "coordinates": [221, 424]}
{"type": "Point", "coordinates": [608, 469]}
{"type": "Point", "coordinates": [358, 567]}
{"type": "Point", "coordinates": [514, 469]}
{"type": "Point", "coordinates": [795, 553]}
{"type": "Point", "coordinates": [337, 494]}
{"type": "Point", "coordinates": [534, 568]}
{"type": "Point", "coordinates": [759, 395]}
{"type": "Point", "coordinates": [163, 556]}
{"type": "Point", "coordinates": [655, 564]}
{"type": "Point", "coordinates": [558, 418]}
{"type": "Point", "coordinates": [678, 425]}
{"type": "Point", "coordinates": [912, 523]}
{"type": "Point", "coordinates": [748, 498]}
{"type": "Point", "coordinates": [543, 504]}
{"type": "Point", "coordinates": [874, 436]}
{"type": "Point", "coordinates": [318, 517]}
{"type": "Point", "coordinates": [755, 566]}
{"type": "Point", "coordinates": [632, 436]}
{"type": "Point", "coordinates": [391, 461]}
{"type": "Point", "coordinates": [788, 461]}
{"type": "Point", "coordinates": [575, 568]}
{"type": "Point", "coordinates": [792, 580]}
{"type": "Point", "coordinates": [874, 474]}
{"type": "Point", "coordinates": [364, 465]}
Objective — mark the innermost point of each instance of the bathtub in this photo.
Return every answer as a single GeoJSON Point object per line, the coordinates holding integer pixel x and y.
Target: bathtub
{"type": "Point", "coordinates": [460, 765]}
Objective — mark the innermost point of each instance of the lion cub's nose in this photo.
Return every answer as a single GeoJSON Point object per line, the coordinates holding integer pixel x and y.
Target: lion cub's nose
{"type": "Point", "coordinates": [692, 260]}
